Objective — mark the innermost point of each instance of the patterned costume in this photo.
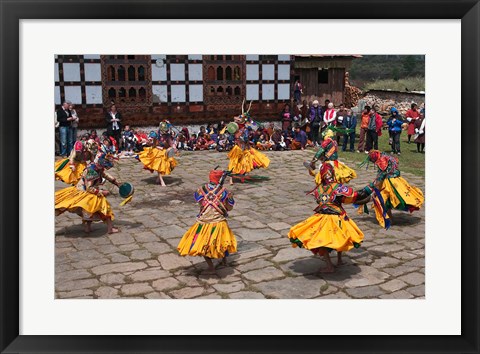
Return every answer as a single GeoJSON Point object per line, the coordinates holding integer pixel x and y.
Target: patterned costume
{"type": "Point", "coordinates": [393, 192]}
{"type": "Point", "coordinates": [210, 236]}
{"type": "Point", "coordinates": [70, 170]}
{"type": "Point", "coordinates": [86, 198]}
{"type": "Point", "coordinates": [328, 153]}
{"type": "Point", "coordinates": [155, 157]}
{"type": "Point", "coordinates": [330, 228]}
{"type": "Point", "coordinates": [243, 157]}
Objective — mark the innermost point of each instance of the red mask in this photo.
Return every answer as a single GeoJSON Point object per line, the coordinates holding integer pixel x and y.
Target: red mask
{"type": "Point", "coordinates": [215, 176]}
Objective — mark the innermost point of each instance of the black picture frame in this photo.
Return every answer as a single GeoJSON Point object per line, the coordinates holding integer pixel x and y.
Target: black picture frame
{"type": "Point", "coordinates": [466, 10]}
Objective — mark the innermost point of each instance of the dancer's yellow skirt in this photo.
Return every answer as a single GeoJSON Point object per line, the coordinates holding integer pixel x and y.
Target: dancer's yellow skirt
{"type": "Point", "coordinates": [213, 240]}
{"type": "Point", "coordinates": [157, 160]}
{"type": "Point", "coordinates": [244, 161]}
{"type": "Point", "coordinates": [343, 173]}
{"type": "Point", "coordinates": [89, 206]}
{"type": "Point", "coordinates": [66, 174]}
{"type": "Point", "coordinates": [336, 232]}
{"type": "Point", "coordinates": [398, 194]}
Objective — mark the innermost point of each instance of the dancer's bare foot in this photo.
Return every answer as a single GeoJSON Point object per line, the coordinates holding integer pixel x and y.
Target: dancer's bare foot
{"type": "Point", "coordinates": [113, 230]}
{"type": "Point", "coordinates": [87, 228]}
{"type": "Point", "coordinates": [340, 263]}
{"type": "Point", "coordinates": [339, 259]}
{"type": "Point", "coordinates": [224, 261]}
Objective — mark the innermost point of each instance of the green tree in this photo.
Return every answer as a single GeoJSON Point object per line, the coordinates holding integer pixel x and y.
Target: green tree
{"type": "Point", "coordinates": [409, 64]}
{"type": "Point", "coordinates": [395, 73]}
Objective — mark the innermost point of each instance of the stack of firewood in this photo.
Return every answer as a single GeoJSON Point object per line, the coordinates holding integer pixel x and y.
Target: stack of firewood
{"type": "Point", "coordinates": [352, 93]}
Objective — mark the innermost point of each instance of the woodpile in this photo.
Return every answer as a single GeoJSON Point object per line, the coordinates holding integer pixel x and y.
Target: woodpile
{"type": "Point", "coordinates": [352, 93]}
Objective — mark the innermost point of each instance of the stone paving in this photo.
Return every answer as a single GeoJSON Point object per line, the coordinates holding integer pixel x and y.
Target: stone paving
{"type": "Point", "coordinates": [142, 261]}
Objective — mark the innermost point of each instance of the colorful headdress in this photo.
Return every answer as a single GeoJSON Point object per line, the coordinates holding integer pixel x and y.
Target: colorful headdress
{"type": "Point", "coordinates": [328, 133]}
{"type": "Point", "coordinates": [215, 176]}
{"type": "Point", "coordinates": [104, 160]}
{"type": "Point", "coordinates": [327, 173]}
{"type": "Point", "coordinates": [91, 146]}
{"type": "Point", "coordinates": [153, 135]}
{"type": "Point", "coordinates": [79, 146]}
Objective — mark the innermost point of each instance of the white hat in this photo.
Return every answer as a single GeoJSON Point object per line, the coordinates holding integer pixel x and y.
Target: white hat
{"type": "Point", "coordinates": [315, 102]}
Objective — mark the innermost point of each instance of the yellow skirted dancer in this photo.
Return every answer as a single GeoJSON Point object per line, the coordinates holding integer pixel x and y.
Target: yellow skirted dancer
{"type": "Point", "coordinates": [328, 152]}
{"type": "Point", "coordinates": [210, 236]}
{"type": "Point", "coordinates": [245, 160]}
{"type": "Point", "coordinates": [157, 158]}
{"type": "Point", "coordinates": [392, 191]}
{"type": "Point", "coordinates": [330, 228]}
{"type": "Point", "coordinates": [243, 157]}
{"type": "Point", "coordinates": [70, 170]}
{"type": "Point", "coordinates": [86, 198]}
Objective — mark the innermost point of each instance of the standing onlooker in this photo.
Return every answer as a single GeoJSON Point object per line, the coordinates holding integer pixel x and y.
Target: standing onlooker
{"type": "Point", "coordinates": [350, 123]}
{"type": "Point", "coordinates": [316, 119]}
{"type": "Point", "coordinates": [305, 122]}
{"type": "Point", "coordinates": [297, 91]}
{"type": "Point", "coordinates": [57, 134]}
{"type": "Point", "coordinates": [74, 123]}
{"type": "Point", "coordinates": [363, 128]}
{"type": "Point", "coordinates": [394, 123]}
{"type": "Point", "coordinates": [64, 119]}
{"type": "Point", "coordinates": [341, 114]}
{"type": "Point", "coordinates": [411, 116]}
{"type": "Point", "coordinates": [374, 130]}
{"type": "Point", "coordinates": [329, 117]}
{"type": "Point", "coordinates": [114, 125]}
{"type": "Point", "coordinates": [286, 116]}
{"type": "Point", "coordinates": [420, 131]}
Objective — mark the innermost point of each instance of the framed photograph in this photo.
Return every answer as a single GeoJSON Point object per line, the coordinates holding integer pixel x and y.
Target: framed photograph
{"type": "Point", "coordinates": [262, 185]}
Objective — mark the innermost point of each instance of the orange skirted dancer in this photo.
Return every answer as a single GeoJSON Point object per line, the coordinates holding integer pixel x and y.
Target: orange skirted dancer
{"type": "Point", "coordinates": [211, 236]}
{"type": "Point", "coordinates": [86, 198]}
{"type": "Point", "coordinates": [330, 228]}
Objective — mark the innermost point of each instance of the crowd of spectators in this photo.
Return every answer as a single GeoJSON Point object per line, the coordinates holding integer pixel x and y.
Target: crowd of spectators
{"type": "Point", "coordinates": [301, 127]}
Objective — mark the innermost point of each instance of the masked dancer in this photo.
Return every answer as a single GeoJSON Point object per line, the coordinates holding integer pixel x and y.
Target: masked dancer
{"type": "Point", "coordinates": [392, 191]}
{"type": "Point", "coordinates": [330, 228]}
{"type": "Point", "coordinates": [87, 199]}
{"type": "Point", "coordinates": [243, 157]}
{"type": "Point", "coordinates": [70, 170]}
{"type": "Point", "coordinates": [328, 153]}
{"type": "Point", "coordinates": [158, 156]}
{"type": "Point", "coordinates": [211, 236]}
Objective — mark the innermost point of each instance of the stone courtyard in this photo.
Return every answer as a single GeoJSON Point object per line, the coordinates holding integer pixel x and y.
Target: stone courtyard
{"type": "Point", "coordinates": [141, 261]}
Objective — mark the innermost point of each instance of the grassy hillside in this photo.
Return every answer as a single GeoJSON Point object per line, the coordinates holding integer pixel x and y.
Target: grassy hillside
{"type": "Point", "coordinates": [393, 68]}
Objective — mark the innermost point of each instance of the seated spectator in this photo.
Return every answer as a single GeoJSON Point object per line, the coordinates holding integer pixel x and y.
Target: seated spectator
{"type": "Point", "coordinates": [113, 141]}
{"type": "Point", "coordinates": [128, 138]}
{"type": "Point", "coordinates": [276, 140]}
{"type": "Point", "coordinates": [192, 143]}
{"type": "Point", "coordinates": [107, 147]}
{"type": "Point", "coordinates": [222, 142]}
{"type": "Point", "coordinates": [300, 139]}
{"type": "Point", "coordinates": [94, 136]}
{"type": "Point", "coordinates": [201, 142]}
{"type": "Point", "coordinates": [263, 143]}
{"type": "Point", "coordinates": [181, 142]}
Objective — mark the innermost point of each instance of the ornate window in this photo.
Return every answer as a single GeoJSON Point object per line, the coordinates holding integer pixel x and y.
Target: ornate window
{"type": "Point", "coordinates": [121, 73]}
{"type": "Point", "coordinates": [224, 80]}
{"type": "Point", "coordinates": [228, 73]}
{"type": "Point", "coordinates": [127, 80]}
{"type": "Point", "coordinates": [219, 73]}
{"type": "Point", "coordinates": [131, 73]}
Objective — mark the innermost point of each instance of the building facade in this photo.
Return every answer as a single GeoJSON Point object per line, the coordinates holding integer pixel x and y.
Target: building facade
{"type": "Point", "coordinates": [185, 89]}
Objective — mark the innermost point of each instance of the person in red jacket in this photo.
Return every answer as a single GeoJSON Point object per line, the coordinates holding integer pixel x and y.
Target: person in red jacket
{"type": "Point", "coordinates": [374, 130]}
{"type": "Point", "coordinates": [411, 116]}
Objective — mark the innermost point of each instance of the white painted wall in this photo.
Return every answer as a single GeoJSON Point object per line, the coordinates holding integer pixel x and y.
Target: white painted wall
{"type": "Point", "coordinates": [178, 93]}
{"type": "Point", "coordinates": [93, 72]}
{"type": "Point", "coordinates": [71, 72]}
{"type": "Point", "coordinates": [177, 72]}
{"type": "Point", "coordinates": [268, 91]}
{"type": "Point", "coordinates": [252, 71]}
{"type": "Point", "coordinates": [73, 94]}
{"type": "Point", "coordinates": [252, 92]}
{"type": "Point", "coordinates": [93, 94]}
{"type": "Point", "coordinates": [196, 93]}
{"type": "Point", "coordinates": [195, 72]}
